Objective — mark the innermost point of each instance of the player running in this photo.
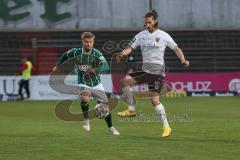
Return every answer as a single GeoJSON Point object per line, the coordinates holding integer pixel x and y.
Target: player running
{"type": "Point", "coordinates": [153, 43]}
{"type": "Point", "coordinates": [90, 62]}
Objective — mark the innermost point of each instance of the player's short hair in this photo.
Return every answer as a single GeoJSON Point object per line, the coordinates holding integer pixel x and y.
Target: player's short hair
{"type": "Point", "coordinates": [152, 14]}
{"type": "Point", "coordinates": [87, 35]}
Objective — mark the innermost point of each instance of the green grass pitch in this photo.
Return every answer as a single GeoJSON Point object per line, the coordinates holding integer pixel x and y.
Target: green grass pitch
{"type": "Point", "coordinates": [203, 128]}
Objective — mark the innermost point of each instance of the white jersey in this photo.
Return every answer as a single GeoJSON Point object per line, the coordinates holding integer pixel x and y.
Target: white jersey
{"type": "Point", "coordinates": [152, 47]}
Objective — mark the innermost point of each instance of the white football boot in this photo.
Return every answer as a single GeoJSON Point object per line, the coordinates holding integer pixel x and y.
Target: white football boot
{"type": "Point", "coordinates": [114, 131]}
{"type": "Point", "coordinates": [86, 125]}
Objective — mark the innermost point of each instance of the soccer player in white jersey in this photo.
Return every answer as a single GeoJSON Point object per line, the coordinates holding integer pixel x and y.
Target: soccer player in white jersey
{"type": "Point", "coordinates": [153, 43]}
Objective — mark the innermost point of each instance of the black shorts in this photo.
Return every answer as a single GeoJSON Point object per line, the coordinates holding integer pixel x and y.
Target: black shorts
{"type": "Point", "coordinates": [156, 83]}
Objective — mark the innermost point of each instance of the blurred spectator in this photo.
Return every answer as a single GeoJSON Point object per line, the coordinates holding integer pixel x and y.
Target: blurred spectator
{"type": "Point", "coordinates": [25, 71]}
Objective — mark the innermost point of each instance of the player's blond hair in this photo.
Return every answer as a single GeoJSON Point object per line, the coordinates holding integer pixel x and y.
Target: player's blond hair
{"type": "Point", "coordinates": [87, 35]}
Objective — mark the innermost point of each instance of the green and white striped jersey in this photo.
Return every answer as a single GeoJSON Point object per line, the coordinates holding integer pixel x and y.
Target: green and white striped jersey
{"type": "Point", "coordinates": [94, 59]}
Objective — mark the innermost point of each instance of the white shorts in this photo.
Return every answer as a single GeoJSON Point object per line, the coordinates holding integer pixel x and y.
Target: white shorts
{"type": "Point", "coordinates": [97, 87]}
{"type": "Point", "coordinates": [97, 92]}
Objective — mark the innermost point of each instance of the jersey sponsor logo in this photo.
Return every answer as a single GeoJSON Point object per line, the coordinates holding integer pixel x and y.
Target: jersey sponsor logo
{"type": "Point", "coordinates": [150, 47]}
{"type": "Point", "coordinates": [83, 67]}
{"type": "Point", "coordinates": [150, 43]}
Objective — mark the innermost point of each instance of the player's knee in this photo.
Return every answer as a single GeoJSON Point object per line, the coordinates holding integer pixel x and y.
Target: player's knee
{"type": "Point", "coordinates": [123, 82]}
{"type": "Point", "coordinates": [84, 96]}
{"type": "Point", "coordinates": [155, 101]}
{"type": "Point", "coordinates": [127, 81]}
{"type": "Point", "coordinates": [84, 99]}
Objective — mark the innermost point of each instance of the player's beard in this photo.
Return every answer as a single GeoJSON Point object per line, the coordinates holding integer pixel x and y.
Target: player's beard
{"type": "Point", "coordinates": [150, 29]}
{"type": "Point", "coordinates": [87, 49]}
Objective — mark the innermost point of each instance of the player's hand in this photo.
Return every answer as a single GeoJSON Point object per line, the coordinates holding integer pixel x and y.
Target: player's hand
{"type": "Point", "coordinates": [89, 71]}
{"type": "Point", "coordinates": [186, 63]}
{"type": "Point", "coordinates": [120, 57]}
{"type": "Point", "coordinates": [54, 69]}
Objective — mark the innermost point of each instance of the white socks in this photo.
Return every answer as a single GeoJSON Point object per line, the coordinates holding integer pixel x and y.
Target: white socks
{"type": "Point", "coordinates": [127, 96]}
{"type": "Point", "coordinates": [132, 108]}
{"type": "Point", "coordinates": [161, 111]}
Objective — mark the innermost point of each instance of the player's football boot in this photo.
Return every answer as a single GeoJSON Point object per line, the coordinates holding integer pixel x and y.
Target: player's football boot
{"type": "Point", "coordinates": [127, 113]}
{"type": "Point", "coordinates": [114, 131]}
{"type": "Point", "coordinates": [166, 132]}
{"type": "Point", "coordinates": [86, 125]}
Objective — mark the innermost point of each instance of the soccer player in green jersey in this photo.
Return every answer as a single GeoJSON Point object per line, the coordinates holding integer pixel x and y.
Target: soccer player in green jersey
{"type": "Point", "coordinates": [89, 62]}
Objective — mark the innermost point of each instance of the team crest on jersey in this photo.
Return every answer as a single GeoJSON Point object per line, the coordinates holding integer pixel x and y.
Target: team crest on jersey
{"type": "Point", "coordinates": [157, 39]}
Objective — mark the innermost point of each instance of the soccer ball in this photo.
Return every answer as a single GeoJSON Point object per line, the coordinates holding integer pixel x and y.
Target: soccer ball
{"type": "Point", "coordinates": [101, 110]}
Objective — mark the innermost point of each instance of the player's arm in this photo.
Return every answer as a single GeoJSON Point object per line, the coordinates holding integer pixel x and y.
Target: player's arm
{"type": "Point", "coordinates": [171, 44]}
{"type": "Point", "coordinates": [180, 55]}
{"type": "Point", "coordinates": [102, 65]}
{"type": "Point", "coordinates": [133, 44]}
{"type": "Point", "coordinates": [64, 58]}
{"type": "Point", "coordinates": [124, 53]}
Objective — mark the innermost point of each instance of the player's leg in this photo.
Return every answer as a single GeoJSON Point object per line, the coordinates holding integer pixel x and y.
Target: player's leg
{"type": "Point", "coordinates": [20, 89]}
{"type": "Point", "coordinates": [157, 86]}
{"type": "Point", "coordinates": [127, 96]}
{"type": "Point", "coordinates": [27, 88]}
{"type": "Point", "coordinates": [159, 108]}
{"type": "Point", "coordinates": [85, 107]}
{"type": "Point", "coordinates": [98, 93]}
{"type": "Point", "coordinates": [111, 128]}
